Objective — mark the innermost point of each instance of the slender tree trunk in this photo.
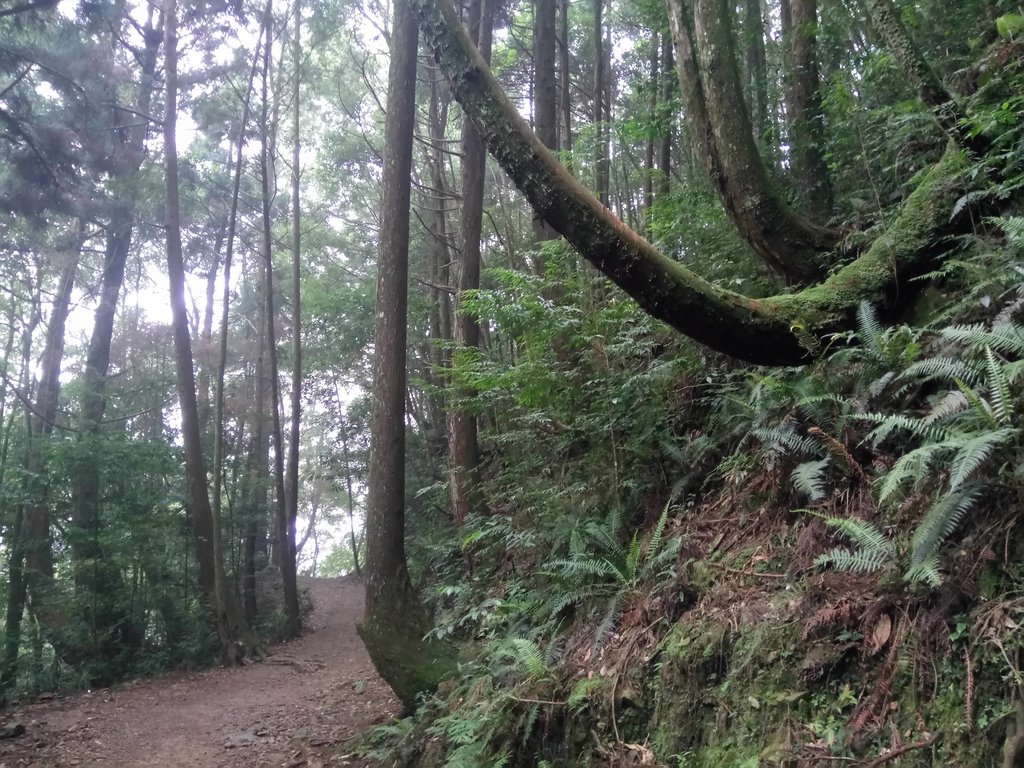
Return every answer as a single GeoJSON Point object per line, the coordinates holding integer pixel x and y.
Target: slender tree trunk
{"type": "Point", "coordinates": [232, 632]}
{"type": "Point", "coordinates": [665, 147]}
{"type": "Point", "coordinates": [545, 104]}
{"type": "Point", "coordinates": [601, 176]}
{"type": "Point", "coordinates": [395, 622]}
{"type": "Point", "coordinates": [889, 26]}
{"type": "Point", "coordinates": [756, 68]}
{"type": "Point", "coordinates": [285, 541]}
{"type": "Point", "coordinates": [292, 480]}
{"type": "Point", "coordinates": [435, 216]}
{"type": "Point", "coordinates": [248, 584]}
{"type": "Point", "coordinates": [462, 424]}
{"type": "Point", "coordinates": [565, 80]}
{"type": "Point", "coordinates": [803, 107]}
{"type": "Point", "coordinates": [351, 505]}
{"type": "Point", "coordinates": [652, 107]}
{"type": "Point", "coordinates": [93, 574]}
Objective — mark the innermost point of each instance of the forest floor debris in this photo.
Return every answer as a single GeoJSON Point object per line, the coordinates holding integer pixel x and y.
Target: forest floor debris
{"type": "Point", "coordinates": [263, 715]}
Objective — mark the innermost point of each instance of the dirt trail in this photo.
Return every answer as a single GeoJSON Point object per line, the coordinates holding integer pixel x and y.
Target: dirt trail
{"type": "Point", "coordinates": [311, 694]}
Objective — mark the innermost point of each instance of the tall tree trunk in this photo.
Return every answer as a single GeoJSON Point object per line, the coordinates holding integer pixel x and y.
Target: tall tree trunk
{"type": "Point", "coordinates": [232, 632]}
{"type": "Point", "coordinates": [285, 541]}
{"type": "Point", "coordinates": [545, 90]}
{"type": "Point", "coordinates": [462, 424]}
{"type": "Point", "coordinates": [439, 257]}
{"type": "Point", "coordinates": [652, 108]}
{"type": "Point", "coordinates": [292, 479]}
{"type": "Point", "coordinates": [565, 76]}
{"type": "Point", "coordinates": [665, 147]}
{"type": "Point", "coordinates": [755, 60]}
{"type": "Point", "coordinates": [601, 173]}
{"type": "Point", "coordinates": [351, 505]}
{"type": "Point", "coordinates": [395, 623]}
{"type": "Point", "coordinates": [803, 106]}
{"type": "Point", "coordinates": [720, 130]}
{"type": "Point", "coordinates": [248, 579]}
{"type": "Point", "coordinates": [93, 575]}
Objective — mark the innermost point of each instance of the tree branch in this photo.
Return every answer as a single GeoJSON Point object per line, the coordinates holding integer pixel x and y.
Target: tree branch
{"type": "Point", "coordinates": [780, 330]}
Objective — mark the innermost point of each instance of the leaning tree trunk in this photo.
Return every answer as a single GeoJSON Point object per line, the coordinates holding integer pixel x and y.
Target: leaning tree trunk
{"type": "Point", "coordinates": [792, 246]}
{"type": "Point", "coordinates": [889, 26]}
{"type": "Point", "coordinates": [395, 622]}
{"type": "Point", "coordinates": [30, 560]}
{"type": "Point", "coordinates": [94, 575]}
{"type": "Point", "coordinates": [235, 637]}
{"type": "Point", "coordinates": [783, 329]}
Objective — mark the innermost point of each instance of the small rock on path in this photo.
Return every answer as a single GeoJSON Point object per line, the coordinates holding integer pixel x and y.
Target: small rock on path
{"type": "Point", "coordinates": [310, 695]}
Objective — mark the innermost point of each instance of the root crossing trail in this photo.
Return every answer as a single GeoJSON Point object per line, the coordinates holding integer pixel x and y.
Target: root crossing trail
{"type": "Point", "coordinates": [308, 697]}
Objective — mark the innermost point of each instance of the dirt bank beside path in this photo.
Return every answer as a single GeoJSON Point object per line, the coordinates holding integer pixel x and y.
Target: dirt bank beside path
{"type": "Point", "coordinates": [310, 694]}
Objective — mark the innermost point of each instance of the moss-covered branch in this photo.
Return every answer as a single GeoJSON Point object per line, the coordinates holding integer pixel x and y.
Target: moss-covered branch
{"type": "Point", "coordinates": [773, 331]}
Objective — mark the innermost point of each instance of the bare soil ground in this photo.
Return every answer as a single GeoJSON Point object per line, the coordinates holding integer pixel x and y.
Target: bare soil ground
{"type": "Point", "coordinates": [308, 698]}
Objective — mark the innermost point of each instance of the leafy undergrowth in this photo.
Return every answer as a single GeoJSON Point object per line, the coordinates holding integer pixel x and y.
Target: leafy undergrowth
{"type": "Point", "coordinates": [802, 567]}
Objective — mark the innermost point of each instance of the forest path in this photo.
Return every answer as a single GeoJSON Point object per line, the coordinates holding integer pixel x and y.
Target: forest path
{"type": "Point", "coordinates": [310, 694]}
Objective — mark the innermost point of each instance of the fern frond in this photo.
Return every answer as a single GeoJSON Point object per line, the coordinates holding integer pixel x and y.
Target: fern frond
{"type": "Point", "coordinates": [939, 522]}
{"type": "Point", "coordinates": [809, 478]}
{"type": "Point", "coordinates": [528, 655]}
{"type": "Point", "coordinates": [607, 625]}
{"type": "Point", "coordinates": [1013, 227]}
{"type": "Point", "coordinates": [604, 537]}
{"type": "Point", "coordinates": [654, 545]}
{"type": "Point", "coordinates": [582, 691]}
{"type": "Point", "coordinates": [891, 422]}
{"type": "Point", "coordinates": [632, 560]}
{"type": "Point", "coordinates": [926, 572]}
{"type": "Point", "coordinates": [582, 566]}
{"type": "Point", "coordinates": [878, 386]}
{"type": "Point", "coordinates": [787, 439]}
{"type": "Point", "coordinates": [951, 404]}
{"type": "Point", "coordinates": [856, 561]}
{"type": "Point", "coordinates": [865, 535]}
{"type": "Point", "coordinates": [998, 388]}
{"type": "Point", "coordinates": [912, 468]}
{"type": "Point", "coordinates": [978, 404]}
{"type": "Point", "coordinates": [972, 453]}
{"type": "Point", "coordinates": [1005, 338]}
{"type": "Point", "coordinates": [868, 328]}
{"type": "Point", "coordinates": [945, 368]}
